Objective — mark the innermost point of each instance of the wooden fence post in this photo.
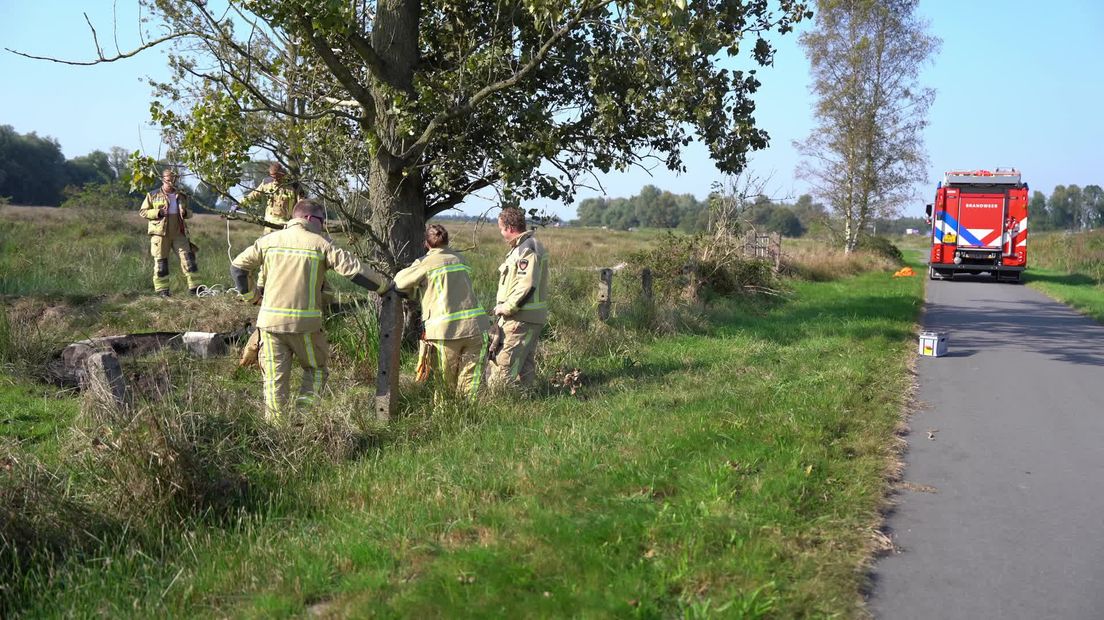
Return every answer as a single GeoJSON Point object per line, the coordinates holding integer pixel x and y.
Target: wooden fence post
{"type": "Point", "coordinates": [390, 341]}
{"type": "Point", "coordinates": [692, 292]}
{"type": "Point", "coordinates": [778, 251]}
{"type": "Point", "coordinates": [605, 293]}
{"type": "Point", "coordinates": [646, 285]}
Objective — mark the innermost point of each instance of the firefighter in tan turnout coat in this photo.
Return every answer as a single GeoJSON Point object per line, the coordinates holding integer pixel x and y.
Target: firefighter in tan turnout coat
{"type": "Point", "coordinates": [295, 261]}
{"type": "Point", "coordinates": [455, 324]}
{"type": "Point", "coordinates": [166, 209]}
{"type": "Point", "coordinates": [279, 197]}
{"type": "Point", "coordinates": [521, 302]}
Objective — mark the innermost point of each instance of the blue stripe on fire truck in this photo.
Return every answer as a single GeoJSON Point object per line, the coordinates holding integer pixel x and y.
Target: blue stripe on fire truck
{"type": "Point", "coordinates": [951, 225]}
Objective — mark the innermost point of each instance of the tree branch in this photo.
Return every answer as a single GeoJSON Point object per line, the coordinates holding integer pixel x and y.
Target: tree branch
{"type": "Point", "coordinates": [364, 49]}
{"type": "Point", "coordinates": [491, 89]}
{"type": "Point", "coordinates": [100, 57]}
{"type": "Point", "coordinates": [455, 197]}
{"type": "Point", "coordinates": [340, 71]}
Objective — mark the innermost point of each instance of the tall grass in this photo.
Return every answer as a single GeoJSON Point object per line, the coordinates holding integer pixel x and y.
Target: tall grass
{"type": "Point", "coordinates": [1071, 253]}
{"type": "Point", "coordinates": [819, 263]}
{"type": "Point", "coordinates": [83, 254]}
{"type": "Point", "coordinates": [1070, 268]}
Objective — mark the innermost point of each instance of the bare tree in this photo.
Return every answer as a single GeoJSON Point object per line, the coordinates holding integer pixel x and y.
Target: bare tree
{"type": "Point", "coordinates": [867, 148]}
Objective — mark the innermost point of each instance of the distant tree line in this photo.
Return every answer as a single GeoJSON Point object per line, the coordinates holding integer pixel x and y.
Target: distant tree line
{"type": "Point", "coordinates": [33, 171]}
{"type": "Point", "coordinates": [790, 219]}
{"type": "Point", "coordinates": [1069, 207]}
{"type": "Point", "coordinates": [655, 208]}
{"type": "Point", "coordinates": [651, 208]}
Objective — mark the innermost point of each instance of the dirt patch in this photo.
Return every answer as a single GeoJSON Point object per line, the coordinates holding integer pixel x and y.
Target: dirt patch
{"type": "Point", "coordinates": [468, 536]}
{"type": "Point", "coordinates": [41, 313]}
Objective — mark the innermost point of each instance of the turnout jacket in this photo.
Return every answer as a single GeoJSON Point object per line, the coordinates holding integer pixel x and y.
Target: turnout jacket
{"type": "Point", "coordinates": [523, 281]}
{"type": "Point", "coordinates": [279, 201]}
{"type": "Point", "coordinates": [295, 261]}
{"type": "Point", "coordinates": [154, 202]}
{"type": "Point", "coordinates": [450, 309]}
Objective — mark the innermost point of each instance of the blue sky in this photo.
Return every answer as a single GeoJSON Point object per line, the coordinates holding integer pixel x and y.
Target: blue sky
{"type": "Point", "coordinates": [1019, 83]}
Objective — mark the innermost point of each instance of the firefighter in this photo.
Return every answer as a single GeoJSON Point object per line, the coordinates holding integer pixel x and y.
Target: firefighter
{"type": "Point", "coordinates": [279, 197]}
{"type": "Point", "coordinates": [521, 302]}
{"type": "Point", "coordinates": [455, 338]}
{"type": "Point", "coordinates": [166, 209]}
{"type": "Point", "coordinates": [296, 260]}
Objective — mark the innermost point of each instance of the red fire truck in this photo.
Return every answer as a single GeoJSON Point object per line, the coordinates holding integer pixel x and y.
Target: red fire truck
{"type": "Point", "coordinates": [979, 225]}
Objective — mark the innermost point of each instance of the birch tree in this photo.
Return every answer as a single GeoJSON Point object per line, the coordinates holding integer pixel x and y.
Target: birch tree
{"type": "Point", "coordinates": [866, 150]}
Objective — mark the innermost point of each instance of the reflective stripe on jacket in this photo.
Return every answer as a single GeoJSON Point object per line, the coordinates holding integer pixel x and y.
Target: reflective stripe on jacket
{"type": "Point", "coordinates": [525, 269]}
{"type": "Point", "coordinates": [153, 204]}
{"type": "Point", "coordinates": [295, 261]}
{"type": "Point", "coordinates": [450, 309]}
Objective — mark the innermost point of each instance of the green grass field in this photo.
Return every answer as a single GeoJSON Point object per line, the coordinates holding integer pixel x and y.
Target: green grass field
{"type": "Point", "coordinates": [728, 461]}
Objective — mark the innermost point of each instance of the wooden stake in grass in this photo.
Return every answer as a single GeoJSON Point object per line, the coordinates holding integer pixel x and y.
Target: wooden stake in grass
{"type": "Point", "coordinates": [646, 285]}
{"type": "Point", "coordinates": [605, 293]}
{"type": "Point", "coordinates": [387, 375]}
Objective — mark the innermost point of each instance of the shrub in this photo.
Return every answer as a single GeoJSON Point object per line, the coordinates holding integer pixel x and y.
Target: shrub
{"type": "Point", "coordinates": [882, 247]}
{"type": "Point", "coordinates": [113, 196]}
{"type": "Point", "coordinates": [690, 268]}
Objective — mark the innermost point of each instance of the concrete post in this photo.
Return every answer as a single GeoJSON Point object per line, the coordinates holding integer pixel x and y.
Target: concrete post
{"type": "Point", "coordinates": [390, 341]}
{"type": "Point", "coordinates": [204, 344]}
{"type": "Point", "coordinates": [104, 379]}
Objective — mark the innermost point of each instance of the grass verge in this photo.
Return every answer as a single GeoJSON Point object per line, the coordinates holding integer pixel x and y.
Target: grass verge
{"type": "Point", "coordinates": [1070, 268]}
{"type": "Point", "coordinates": [1077, 290]}
{"type": "Point", "coordinates": [738, 471]}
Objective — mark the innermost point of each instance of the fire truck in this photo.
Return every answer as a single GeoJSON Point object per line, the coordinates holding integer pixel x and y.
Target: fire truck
{"type": "Point", "coordinates": [979, 225]}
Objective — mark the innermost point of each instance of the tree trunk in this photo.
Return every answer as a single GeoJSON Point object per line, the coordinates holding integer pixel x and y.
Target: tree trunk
{"type": "Point", "coordinates": [397, 214]}
{"type": "Point", "coordinates": [395, 187]}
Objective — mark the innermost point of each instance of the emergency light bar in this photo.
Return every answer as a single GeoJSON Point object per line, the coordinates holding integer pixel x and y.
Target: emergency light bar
{"type": "Point", "coordinates": [1000, 176]}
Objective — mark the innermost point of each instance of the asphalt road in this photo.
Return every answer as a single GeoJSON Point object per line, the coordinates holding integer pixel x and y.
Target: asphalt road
{"type": "Point", "coordinates": [1002, 513]}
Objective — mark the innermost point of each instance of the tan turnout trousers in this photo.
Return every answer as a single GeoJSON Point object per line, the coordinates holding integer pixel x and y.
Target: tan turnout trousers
{"type": "Point", "coordinates": [459, 363]}
{"type": "Point", "coordinates": [276, 354]}
{"type": "Point", "coordinates": [296, 260]}
{"type": "Point", "coordinates": [515, 364]}
{"type": "Point", "coordinates": [163, 246]}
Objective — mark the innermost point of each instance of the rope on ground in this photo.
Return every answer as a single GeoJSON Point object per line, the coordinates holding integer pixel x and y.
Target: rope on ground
{"type": "Point", "coordinates": [215, 290]}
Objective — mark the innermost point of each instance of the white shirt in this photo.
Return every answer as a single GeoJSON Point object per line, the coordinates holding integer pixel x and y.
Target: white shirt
{"type": "Point", "coordinates": [173, 207]}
